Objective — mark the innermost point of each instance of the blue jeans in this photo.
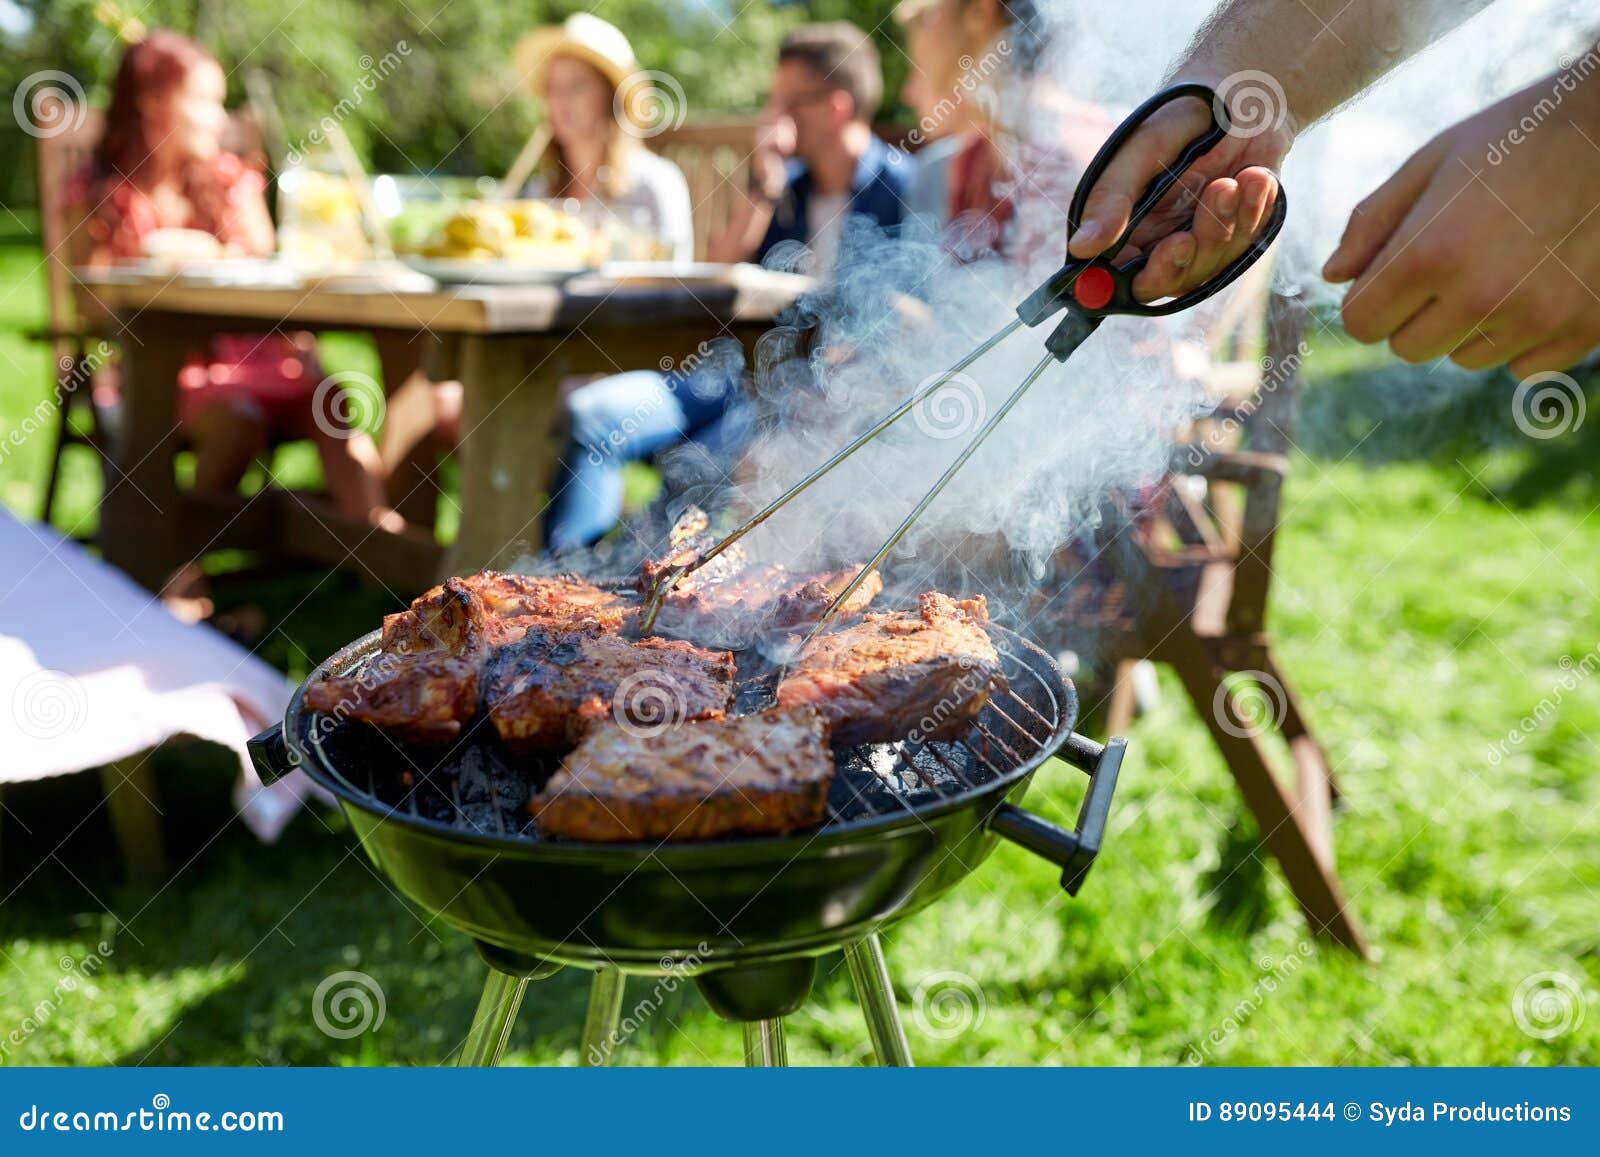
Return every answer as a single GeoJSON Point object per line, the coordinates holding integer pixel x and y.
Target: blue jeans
{"type": "Point", "coordinates": [626, 418]}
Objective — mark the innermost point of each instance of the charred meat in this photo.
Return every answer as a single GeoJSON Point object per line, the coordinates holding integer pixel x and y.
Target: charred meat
{"type": "Point", "coordinates": [558, 598]}
{"type": "Point", "coordinates": [419, 698]}
{"type": "Point", "coordinates": [423, 685]}
{"type": "Point", "coordinates": [546, 690]}
{"type": "Point", "coordinates": [447, 620]}
{"type": "Point", "coordinates": [766, 773]}
{"type": "Point", "coordinates": [896, 675]}
{"type": "Point", "coordinates": [739, 608]}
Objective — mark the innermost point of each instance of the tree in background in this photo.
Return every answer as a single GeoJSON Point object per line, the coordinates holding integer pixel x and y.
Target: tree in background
{"type": "Point", "coordinates": [447, 102]}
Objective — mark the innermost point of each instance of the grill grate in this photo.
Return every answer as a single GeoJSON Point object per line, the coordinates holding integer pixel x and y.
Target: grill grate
{"type": "Point", "coordinates": [474, 786]}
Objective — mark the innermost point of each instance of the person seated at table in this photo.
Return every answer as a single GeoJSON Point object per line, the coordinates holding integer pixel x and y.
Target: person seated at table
{"type": "Point", "coordinates": [1006, 143]}
{"type": "Point", "coordinates": [161, 184]}
{"type": "Point", "coordinates": [815, 163]}
{"type": "Point", "coordinates": [597, 107]}
{"type": "Point", "coordinates": [584, 73]}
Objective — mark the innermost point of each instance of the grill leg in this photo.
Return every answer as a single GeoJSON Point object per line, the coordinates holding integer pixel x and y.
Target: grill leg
{"type": "Point", "coordinates": [870, 973]}
{"type": "Point", "coordinates": [600, 1022]}
{"type": "Point", "coordinates": [763, 1044]}
{"type": "Point", "coordinates": [491, 1024]}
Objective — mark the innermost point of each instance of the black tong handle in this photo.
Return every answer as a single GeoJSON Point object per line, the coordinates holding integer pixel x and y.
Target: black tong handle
{"type": "Point", "coordinates": [1097, 288]}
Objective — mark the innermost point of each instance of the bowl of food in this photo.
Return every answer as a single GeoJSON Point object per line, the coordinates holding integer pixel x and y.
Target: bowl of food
{"type": "Point", "coordinates": [508, 242]}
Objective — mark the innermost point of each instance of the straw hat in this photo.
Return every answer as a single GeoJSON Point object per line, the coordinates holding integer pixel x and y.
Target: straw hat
{"type": "Point", "coordinates": [588, 38]}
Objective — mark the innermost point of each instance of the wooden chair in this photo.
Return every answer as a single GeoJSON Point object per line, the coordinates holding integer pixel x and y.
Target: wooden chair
{"type": "Point", "coordinates": [67, 336]}
{"type": "Point", "coordinates": [78, 350]}
{"type": "Point", "coordinates": [1187, 585]}
{"type": "Point", "coordinates": [714, 156]}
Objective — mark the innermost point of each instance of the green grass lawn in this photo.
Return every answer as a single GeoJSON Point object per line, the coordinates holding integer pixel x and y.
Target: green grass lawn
{"type": "Point", "coordinates": [1436, 581]}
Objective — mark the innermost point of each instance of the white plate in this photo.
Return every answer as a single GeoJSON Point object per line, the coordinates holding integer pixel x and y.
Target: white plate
{"type": "Point", "coordinates": [668, 272]}
{"type": "Point", "coordinates": [371, 277]}
{"type": "Point", "coordinates": [242, 271]}
{"type": "Point", "coordinates": [457, 271]}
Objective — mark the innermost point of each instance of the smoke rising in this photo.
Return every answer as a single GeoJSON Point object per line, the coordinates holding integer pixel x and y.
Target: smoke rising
{"type": "Point", "coordinates": [1102, 423]}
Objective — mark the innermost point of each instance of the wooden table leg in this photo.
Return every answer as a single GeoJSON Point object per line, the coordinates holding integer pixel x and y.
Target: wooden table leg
{"type": "Point", "coordinates": [130, 787]}
{"type": "Point", "coordinates": [139, 513]}
{"type": "Point", "coordinates": [510, 442]}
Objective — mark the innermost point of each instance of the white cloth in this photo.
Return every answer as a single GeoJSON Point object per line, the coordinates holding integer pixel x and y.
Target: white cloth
{"type": "Point", "coordinates": [94, 669]}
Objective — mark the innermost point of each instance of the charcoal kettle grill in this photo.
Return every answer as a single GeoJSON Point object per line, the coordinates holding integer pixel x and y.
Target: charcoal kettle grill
{"type": "Point", "coordinates": [746, 918]}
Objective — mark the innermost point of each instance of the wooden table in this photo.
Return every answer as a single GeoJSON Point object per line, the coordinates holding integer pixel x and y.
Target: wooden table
{"type": "Point", "coordinates": [513, 345]}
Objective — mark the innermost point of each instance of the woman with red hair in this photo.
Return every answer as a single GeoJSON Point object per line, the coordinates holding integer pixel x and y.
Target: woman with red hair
{"type": "Point", "coordinates": [160, 184]}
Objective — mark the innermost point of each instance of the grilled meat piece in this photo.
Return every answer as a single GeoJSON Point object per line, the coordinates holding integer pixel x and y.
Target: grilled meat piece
{"type": "Point", "coordinates": [766, 773]}
{"type": "Point", "coordinates": [449, 620]}
{"type": "Point", "coordinates": [802, 605]}
{"type": "Point", "coordinates": [459, 616]}
{"type": "Point", "coordinates": [899, 675]}
{"type": "Point", "coordinates": [419, 698]}
{"type": "Point", "coordinates": [758, 600]}
{"type": "Point", "coordinates": [561, 598]}
{"type": "Point", "coordinates": [547, 689]}
{"type": "Point", "coordinates": [690, 538]}
{"type": "Point", "coordinates": [423, 686]}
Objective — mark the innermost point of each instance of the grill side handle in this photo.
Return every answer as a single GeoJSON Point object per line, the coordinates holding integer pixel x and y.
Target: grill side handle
{"type": "Point", "coordinates": [271, 754]}
{"type": "Point", "coordinates": [1075, 850]}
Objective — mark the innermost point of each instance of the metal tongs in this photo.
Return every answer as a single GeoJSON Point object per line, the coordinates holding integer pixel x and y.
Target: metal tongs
{"type": "Point", "coordinates": [1088, 291]}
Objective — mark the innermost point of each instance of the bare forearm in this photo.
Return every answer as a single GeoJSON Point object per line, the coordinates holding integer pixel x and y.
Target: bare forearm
{"type": "Point", "coordinates": [1322, 52]}
{"type": "Point", "coordinates": [741, 237]}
